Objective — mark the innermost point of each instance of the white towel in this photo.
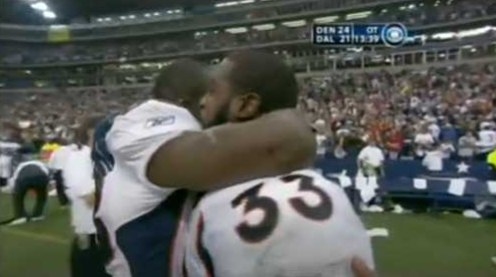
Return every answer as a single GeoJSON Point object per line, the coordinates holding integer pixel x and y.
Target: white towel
{"type": "Point", "coordinates": [491, 187]}
{"type": "Point", "coordinates": [457, 187]}
{"type": "Point", "coordinates": [420, 183]}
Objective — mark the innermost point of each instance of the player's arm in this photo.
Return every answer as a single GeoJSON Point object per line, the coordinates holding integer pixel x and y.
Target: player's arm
{"type": "Point", "coordinates": [274, 144]}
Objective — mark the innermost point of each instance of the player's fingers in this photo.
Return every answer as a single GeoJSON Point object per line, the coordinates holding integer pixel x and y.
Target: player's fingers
{"type": "Point", "coordinates": [360, 268]}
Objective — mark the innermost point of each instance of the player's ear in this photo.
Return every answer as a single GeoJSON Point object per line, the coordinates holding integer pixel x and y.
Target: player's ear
{"type": "Point", "coordinates": [246, 106]}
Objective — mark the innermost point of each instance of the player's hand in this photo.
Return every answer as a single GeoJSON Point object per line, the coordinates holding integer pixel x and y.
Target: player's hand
{"type": "Point", "coordinates": [360, 268]}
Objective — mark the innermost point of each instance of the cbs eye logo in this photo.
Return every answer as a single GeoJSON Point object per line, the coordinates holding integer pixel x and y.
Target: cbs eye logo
{"type": "Point", "coordinates": [394, 35]}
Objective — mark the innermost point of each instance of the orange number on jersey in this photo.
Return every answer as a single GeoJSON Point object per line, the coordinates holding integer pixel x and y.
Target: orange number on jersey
{"type": "Point", "coordinates": [261, 231]}
{"type": "Point", "coordinates": [258, 232]}
{"type": "Point", "coordinates": [320, 212]}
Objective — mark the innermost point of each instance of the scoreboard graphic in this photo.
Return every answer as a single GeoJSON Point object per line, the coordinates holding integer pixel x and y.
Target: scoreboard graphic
{"type": "Point", "coordinates": [377, 34]}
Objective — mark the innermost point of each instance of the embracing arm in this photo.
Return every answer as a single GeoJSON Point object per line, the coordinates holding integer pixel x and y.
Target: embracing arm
{"type": "Point", "coordinates": [274, 144]}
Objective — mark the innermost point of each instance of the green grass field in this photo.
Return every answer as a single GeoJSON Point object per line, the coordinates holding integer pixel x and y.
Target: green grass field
{"type": "Point", "coordinates": [418, 245]}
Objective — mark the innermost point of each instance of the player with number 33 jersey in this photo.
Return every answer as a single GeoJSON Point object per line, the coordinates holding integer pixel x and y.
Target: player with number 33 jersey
{"type": "Point", "coordinates": [294, 225]}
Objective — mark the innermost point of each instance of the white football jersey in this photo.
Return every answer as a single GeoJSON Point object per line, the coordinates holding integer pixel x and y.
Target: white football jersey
{"type": "Point", "coordinates": [137, 220]}
{"type": "Point", "coordinates": [296, 225]}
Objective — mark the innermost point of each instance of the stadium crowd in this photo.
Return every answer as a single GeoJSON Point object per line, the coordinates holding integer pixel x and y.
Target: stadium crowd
{"type": "Point", "coordinates": [424, 14]}
{"type": "Point", "coordinates": [395, 109]}
{"type": "Point", "coordinates": [391, 108]}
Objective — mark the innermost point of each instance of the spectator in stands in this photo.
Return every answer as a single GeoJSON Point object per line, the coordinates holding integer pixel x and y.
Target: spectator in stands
{"type": "Point", "coordinates": [487, 140]}
{"type": "Point", "coordinates": [449, 133]}
{"type": "Point", "coordinates": [423, 141]}
{"type": "Point", "coordinates": [433, 128]}
{"type": "Point", "coordinates": [447, 148]}
{"type": "Point", "coordinates": [467, 146]}
{"type": "Point", "coordinates": [371, 160]}
{"type": "Point", "coordinates": [394, 142]}
{"type": "Point", "coordinates": [321, 137]}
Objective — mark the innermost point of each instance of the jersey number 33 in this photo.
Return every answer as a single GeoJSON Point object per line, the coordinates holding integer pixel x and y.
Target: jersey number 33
{"type": "Point", "coordinates": [254, 233]}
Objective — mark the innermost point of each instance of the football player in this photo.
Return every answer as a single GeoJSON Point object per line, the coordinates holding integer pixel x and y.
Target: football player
{"type": "Point", "coordinates": [297, 224]}
{"type": "Point", "coordinates": [148, 159]}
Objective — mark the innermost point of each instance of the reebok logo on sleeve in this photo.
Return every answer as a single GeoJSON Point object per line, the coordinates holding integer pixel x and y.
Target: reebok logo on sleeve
{"type": "Point", "coordinates": [160, 121]}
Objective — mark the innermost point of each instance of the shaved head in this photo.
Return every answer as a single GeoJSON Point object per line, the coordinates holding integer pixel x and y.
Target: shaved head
{"type": "Point", "coordinates": [183, 82]}
{"type": "Point", "coordinates": [247, 84]}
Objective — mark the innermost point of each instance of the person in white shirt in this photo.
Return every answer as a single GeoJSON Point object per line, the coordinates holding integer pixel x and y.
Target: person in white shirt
{"type": "Point", "coordinates": [371, 160]}
{"type": "Point", "coordinates": [447, 148]}
{"type": "Point", "coordinates": [77, 173]}
{"type": "Point", "coordinates": [423, 140]}
{"type": "Point", "coordinates": [433, 159]}
{"type": "Point", "coordinates": [434, 129]}
{"type": "Point", "coordinates": [487, 140]}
